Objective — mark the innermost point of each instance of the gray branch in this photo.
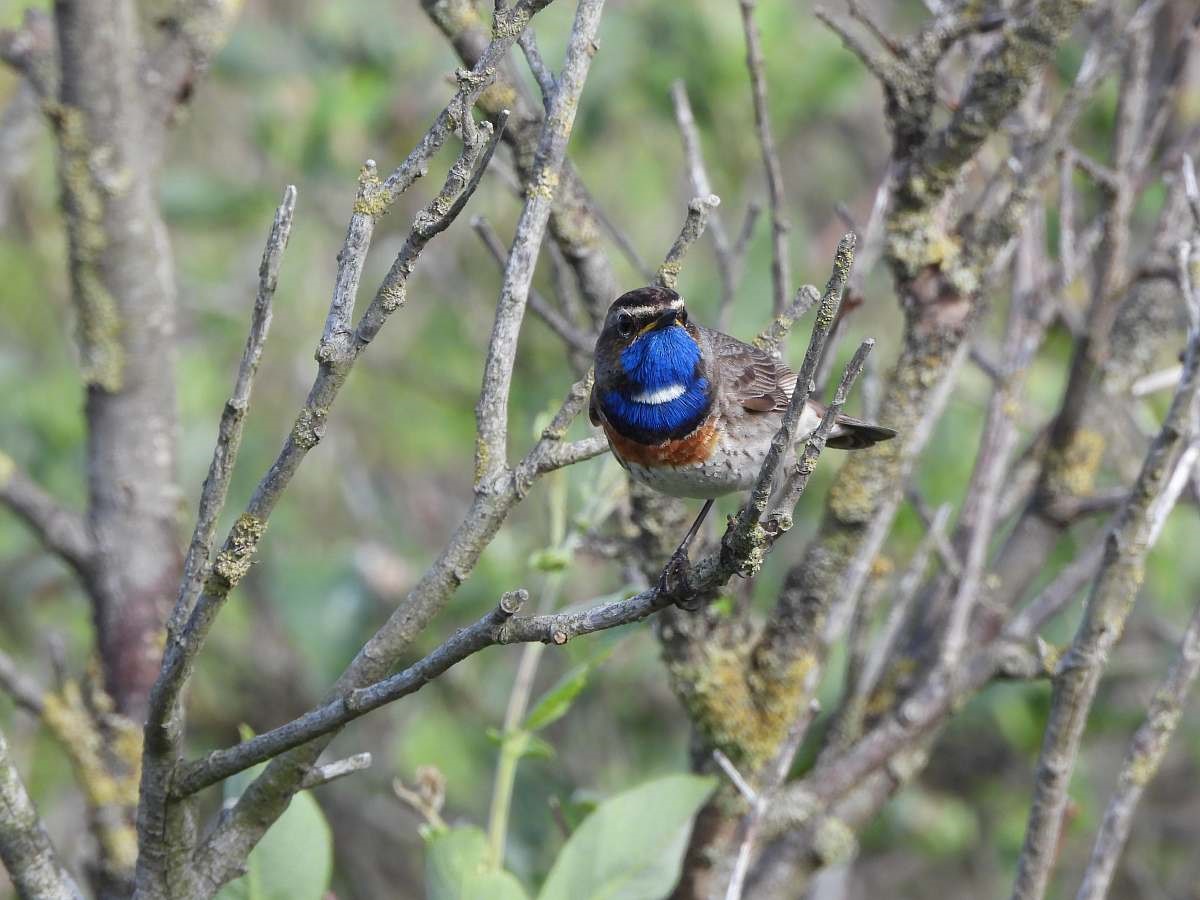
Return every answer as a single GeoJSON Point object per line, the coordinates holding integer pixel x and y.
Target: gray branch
{"type": "Point", "coordinates": [491, 412]}
{"type": "Point", "coordinates": [694, 224]}
{"type": "Point", "coordinates": [24, 845]}
{"type": "Point", "coordinates": [233, 417]}
{"type": "Point", "coordinates": [61, 531]}
{"type": "Point", "coordinates": [780, 274]}
{"type": "Point", "coordinates": [1109, 604]}
{"type": "Point", "coordinates": [1142, 759]}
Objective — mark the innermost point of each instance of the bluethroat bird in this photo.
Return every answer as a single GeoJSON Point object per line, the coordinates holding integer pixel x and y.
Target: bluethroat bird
{"type": "Point", "coordinates": [689, 411]}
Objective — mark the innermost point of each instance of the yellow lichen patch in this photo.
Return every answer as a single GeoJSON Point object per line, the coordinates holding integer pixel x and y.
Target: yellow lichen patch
{"type": "Point", "coordinates": [208, 32]}
{"type": "Point", "coordinates": [778, 694]}
{"type": "Point", "coordinates": [481, 459]}
{"type": "Point", "coordinates": [1142, 768]}
{"type": "Point", "coordinates": [309, 428]}
{"type": "Point", "coordinates": [834, 842]}
{"type": "Point", "coordinates": [1072, 471]}
{"type": "Point", "coordinates": [236, 557]}
{"type": "Point", "coordinates": [99, 323]}
{"type": "Point", "coordinates": [545, 185]}
{"type": "Point", "coordinates": [668, 273]}
{"type": "Point", "coordinates": [372, 200]}
{"type": "Point", "coordinates": [104, 784]}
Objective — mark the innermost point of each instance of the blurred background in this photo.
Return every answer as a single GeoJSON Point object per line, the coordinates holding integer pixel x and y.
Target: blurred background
{"type": "Point", "coordinates": [304, 92]}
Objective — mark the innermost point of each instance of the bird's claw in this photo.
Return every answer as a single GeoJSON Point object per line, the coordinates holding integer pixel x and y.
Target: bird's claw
{"type": "Point", "coordinates": [674, 582]}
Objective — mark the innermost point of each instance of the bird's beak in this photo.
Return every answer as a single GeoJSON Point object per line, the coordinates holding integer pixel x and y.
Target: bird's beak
{"type": "Point", "coordinates": [666, 320]}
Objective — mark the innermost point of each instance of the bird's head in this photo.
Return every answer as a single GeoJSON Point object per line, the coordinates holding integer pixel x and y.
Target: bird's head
{"type": "Point", "coordinates": [647, 341]}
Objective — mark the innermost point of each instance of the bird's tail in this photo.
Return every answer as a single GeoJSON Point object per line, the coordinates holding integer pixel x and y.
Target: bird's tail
{"type": "Point", "coordinates": [850, 433]}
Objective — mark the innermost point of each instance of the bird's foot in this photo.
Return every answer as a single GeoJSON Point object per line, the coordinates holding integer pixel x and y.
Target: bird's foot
{"type": "Point", "coordinates": [674, 581]}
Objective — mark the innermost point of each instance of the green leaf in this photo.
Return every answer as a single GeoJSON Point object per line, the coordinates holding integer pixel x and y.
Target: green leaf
{"type": "Point", "coordinates": [523, 744]}
{"type": "Point", "coordinates": [458, 867]}
{"type": "Point", "coordinates": [293, 861]}
{"type": "Point", "coordinates": [554, 704]}
{"type": "Point", "coordinates": [632, 846]}
{"type": "Point", "coordinates": [550, 559]}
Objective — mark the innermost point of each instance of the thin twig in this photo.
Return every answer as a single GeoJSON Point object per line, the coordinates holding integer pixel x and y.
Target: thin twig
{"type": "Point", "coordinates": [906, 591]}
{"type": "Point", "coordinates": [491, 411]}
{"type": "Point", "coordinates": [1142, 759]}
{"type": "Point", "coordinates": [694, 224]}
{"type": "Point", "coordinates": [26, 692]}
{"type": "Point", "coordinates": [702, 187]}
{"type": "Point", "coordinates": [784, 439]}
{"type": "Point", "coordinates": [320, 775]}
{"type": "Point", "coordinates": [780, 270]}
{"type": "Point", "coordinates": [771, 337]}
{"type": "Point", "coordinates": [25, 847]}
{"type": "Point", "coordinates": [1111, 599]}
{"type": "Point", "coordinates": [797, 479]}
{"type": "Point", "coordinates": [542, 308]}
{"type": "Point", "coordinates": [62, 531]}
{"type": "Point", "coordinates": [233, 417]}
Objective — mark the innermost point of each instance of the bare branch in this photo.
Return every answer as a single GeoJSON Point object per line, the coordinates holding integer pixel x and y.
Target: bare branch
{"type": "Point", "coordinates": [797, 479]}
{"type": "Point", "coordinates": [499, 486]}
{"type": "Point", "coordinates": [702, 187]}
{"type": "Point", "coordinates": [491, 411]}
{"type": "Point", "coordinates": [62, 531]}
{"type": "Point", "coordinates": [831, 301]}
{"type": "Point", "coordinates": [774, 334]}
{"type": "Point", "coordinates": [694, 224]}
{"type": "Point", "coordinates": [575, 220]}
{"type": "Point", "coordinates": [1111, 599]}
{"type": "Point", "coordinates": [906, 590]}
{"type": "Point", "coordinates": [320, 775]}
{"type": "Point", "coordinates": [229, 432]}
{"type": "Point", "coordinates": [24, 845]}
{"type": "Point", "coordinates": [780, 269]}
{"type": "Point", "coordinates": [542, 308]}
{"type": "Point", "coordinates": [26, 693]}
{"type": "Point", "coordinates": [1146, 751]}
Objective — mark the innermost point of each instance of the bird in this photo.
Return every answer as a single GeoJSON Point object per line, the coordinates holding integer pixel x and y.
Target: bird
{"type": "Point", "coordinates": [690, 411]}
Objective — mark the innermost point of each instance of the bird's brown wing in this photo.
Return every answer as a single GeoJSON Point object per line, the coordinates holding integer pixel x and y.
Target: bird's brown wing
{"type": "Point", "coordinates": [751, 377]}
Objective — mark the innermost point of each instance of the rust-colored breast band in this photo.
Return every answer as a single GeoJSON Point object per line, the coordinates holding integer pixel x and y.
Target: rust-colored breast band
{"type": "Point", "coordinates": [691, 449]}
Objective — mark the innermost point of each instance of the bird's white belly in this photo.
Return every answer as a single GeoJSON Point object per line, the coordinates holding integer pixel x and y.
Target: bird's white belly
{"type": "Point", "coordinates": [734, 463]}
{"type": "Point", "coordinates": [726, 471]}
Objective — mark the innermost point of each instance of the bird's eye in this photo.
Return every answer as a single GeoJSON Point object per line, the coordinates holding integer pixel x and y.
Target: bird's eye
{"type": "Point", "coordinates": [625, 326]}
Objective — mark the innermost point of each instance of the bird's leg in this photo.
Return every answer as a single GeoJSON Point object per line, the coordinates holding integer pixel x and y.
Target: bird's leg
{"type": "Point", "coordinates": [674, 575]}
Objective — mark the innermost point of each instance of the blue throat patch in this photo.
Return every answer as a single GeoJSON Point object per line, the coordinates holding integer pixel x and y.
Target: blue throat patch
{"type": "Point", "coordinates": [659, 360]}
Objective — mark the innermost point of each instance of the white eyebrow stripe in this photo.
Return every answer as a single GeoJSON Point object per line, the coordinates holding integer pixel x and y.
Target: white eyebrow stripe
{"type": "Point", "coordinates": [636, 311]}
{"type": "Point", "coordinates": [662, 395]}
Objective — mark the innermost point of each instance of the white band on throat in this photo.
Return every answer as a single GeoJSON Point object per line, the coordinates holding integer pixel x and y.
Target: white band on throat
{"type": "Point", "coordinates": [662, 395]}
